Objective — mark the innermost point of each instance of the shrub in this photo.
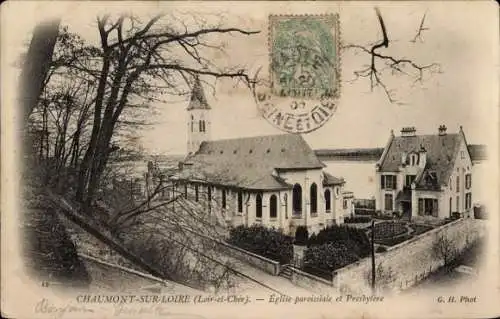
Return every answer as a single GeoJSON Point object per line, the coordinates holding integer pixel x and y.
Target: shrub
{"type": "Point", "coordinates": [329, 256]}
{"type": "Point", "coordinates": [381, 249]}
{"type": "Point", "coordinates": [301, 235]}
{"type": "Point", "coordinates": [357, 219]}
{"type": "Point", "coordinates": [389, 229]}
{"type": "Point", "coordinates": [268, 243]}
{"type": "Point", "coordinates": [393, 241]}
{"type": "Point", "coordinates": [353, 238]}
{"type": "Point", "coordinates": [420, 229]}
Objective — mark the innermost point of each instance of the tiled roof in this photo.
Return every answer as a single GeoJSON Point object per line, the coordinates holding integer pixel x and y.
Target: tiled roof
{"type": "Point", "coordinates": [329, 179]}
{"type": "Point", "coordinates": [250, 162]}
{"type": "Point", "coordinates": [440, 155]}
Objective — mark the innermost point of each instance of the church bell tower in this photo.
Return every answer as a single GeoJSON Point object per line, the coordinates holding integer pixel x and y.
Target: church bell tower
{"type": "Point", "coordinates": [198, 123]}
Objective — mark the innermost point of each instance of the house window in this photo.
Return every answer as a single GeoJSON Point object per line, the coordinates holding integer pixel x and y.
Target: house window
{"type": "Point", "coordinates": [428, 206]}
{"type": "Point", "coordinates": [458, 204]}
{"type": "Point", "coordinates": [200, 126]}
{"type": "Point", "coordinates": [285, 199]}
{"type": "Point", "coordinates": [328, 201]}
{"type": "Point", "coordinates": [468, 201]}
{"type": "Point", "coordinates": [451, 202]}
{"type": "Point", "coordinates": [297, 199]}
{"type": "Point", "coordinates": [240, 202]}
{"type": "Point", "coordinates": [314, 198]}
{"type": "Point", "coordinates": [192, 123]}
{"type": "Point", "coordinates": [462, 154]}
{"type": "Point", "coordinates": [458, 184]}
{"type": "Point", "coordinates": [413, 159]}
{"type": "Point", "coordinates": [388, 202]}
{"type": "Point", "coordinates": [258, 206]}
{"type": "Point", "coordinates": [196, 193]}
{"type": "Point", "coordinates": [223, 198]}
{"type": "Point", "coordinates": [388, 181]}
{"type": "Point", "coordinates": [345, 204]}
{"type": "Point", "coordinates": [468, 181]}
{"type": "Point", "coordinates": [273, 206]}
{"type": "Point", "coordinates": [409, 179]}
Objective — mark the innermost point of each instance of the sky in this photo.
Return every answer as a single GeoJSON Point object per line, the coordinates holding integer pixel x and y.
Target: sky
{"type": "Point", "coordinates": [459, 38]}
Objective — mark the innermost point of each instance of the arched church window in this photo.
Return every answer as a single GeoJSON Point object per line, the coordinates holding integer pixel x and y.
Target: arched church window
{"type": "Point", "coordinates": [240, 202]}
{"type": "Point", "coordinates": [223, 199]}
{"type": "Point", "coordinates": [200, 128]}
{"type": "Point", "coordinates": [273, 206]}
{"type": "Point", "coordinates": [258, 206]}
{"type": "Point", "coordinates": [314, 198]}
{"type": "Point", "coordinates": [192, 123]}
{"type": "Point", "coordinates": [297, 199]}
{"type": "Point", "coordinates": [328, 200]}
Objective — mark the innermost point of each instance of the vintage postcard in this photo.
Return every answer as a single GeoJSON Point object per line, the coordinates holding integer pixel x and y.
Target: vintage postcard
{"type": "Point", "coordinates": [232, 159]}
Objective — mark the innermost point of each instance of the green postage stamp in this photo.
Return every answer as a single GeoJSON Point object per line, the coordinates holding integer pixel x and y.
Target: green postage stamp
{"type": "Point", "coordinates": [304, 55]}
{"type": "Point", "coordinates": [304, 71]}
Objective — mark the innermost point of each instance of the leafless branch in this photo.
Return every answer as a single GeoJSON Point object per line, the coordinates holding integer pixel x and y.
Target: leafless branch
{"type": "Point", "coordinates": [420, 30]}
{"type": "Point", "coordinates": [379, 62]}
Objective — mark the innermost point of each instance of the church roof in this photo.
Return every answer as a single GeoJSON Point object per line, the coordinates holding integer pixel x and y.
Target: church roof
{"type": "Point", "coordinates": [250, 162]}
{"type": "Point", "coordinates": [198, 99]}
{"type": "Point", "coordinates": [329, 179]}
{"type": "Point", "coordinates": [440, 150]}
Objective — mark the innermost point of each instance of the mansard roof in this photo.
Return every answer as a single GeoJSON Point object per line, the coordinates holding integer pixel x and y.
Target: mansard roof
{"type": "Point", "coordinates": [250, 162]}
{"type": "Point", "coordinates": [441, 151]}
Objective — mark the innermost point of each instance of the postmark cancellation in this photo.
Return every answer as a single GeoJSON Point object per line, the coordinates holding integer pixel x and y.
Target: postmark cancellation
{"type": "Point", "coordinates": [304, 72]}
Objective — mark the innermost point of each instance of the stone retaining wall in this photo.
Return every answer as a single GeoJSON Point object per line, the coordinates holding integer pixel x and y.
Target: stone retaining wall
{"type": "Point", "coordinates": [407, 263]}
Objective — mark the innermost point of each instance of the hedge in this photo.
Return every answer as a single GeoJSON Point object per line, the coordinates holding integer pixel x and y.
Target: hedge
{"type": "Point", "coordinates": [329, 256]}
{"type": "Point", "coordinates": [357, 219]}
{"type": "Point", "coordinates": [269, 243]}
{"type": "Point", "coordinates": [301, 235]}
{"type": "Point", "coordinates": [353, 238]}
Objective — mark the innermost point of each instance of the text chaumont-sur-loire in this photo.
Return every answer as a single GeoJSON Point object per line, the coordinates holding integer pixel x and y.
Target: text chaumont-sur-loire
{"type": "Point", "coordinates": [161, 299]}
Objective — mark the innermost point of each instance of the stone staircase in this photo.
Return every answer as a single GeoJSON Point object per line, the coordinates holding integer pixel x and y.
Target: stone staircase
{"type": "Point", "coordinates": [286, 272]}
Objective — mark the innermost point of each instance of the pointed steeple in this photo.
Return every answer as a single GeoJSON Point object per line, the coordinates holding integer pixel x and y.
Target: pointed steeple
{"type": "Point", "coordinates": [198, 100]}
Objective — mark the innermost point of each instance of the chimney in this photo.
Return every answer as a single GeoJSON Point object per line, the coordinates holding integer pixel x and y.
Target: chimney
{"type": "Point", "coordinates": [442, 130]}
{"type": "Point", "coordinates": [408, 131]}
{"type": "Point", "coordinates": [422, 157]}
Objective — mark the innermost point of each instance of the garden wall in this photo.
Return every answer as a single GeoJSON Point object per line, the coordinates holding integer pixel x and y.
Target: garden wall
{"type": "Point", "coordinates": [309, 282]}
{"type": "Point", "coordinates": [405, 264]}
{"type": "Point", "coordinates": [270, 266]}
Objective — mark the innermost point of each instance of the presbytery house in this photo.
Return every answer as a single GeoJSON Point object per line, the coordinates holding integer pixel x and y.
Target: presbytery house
{"type": "Point", "coordinates": [276, 181]}
{"type": "Point", "coordinates": [425, 175]}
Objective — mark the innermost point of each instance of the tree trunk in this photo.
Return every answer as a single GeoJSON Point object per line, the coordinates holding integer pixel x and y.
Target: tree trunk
{"type": "Point", "coordinates": [36, 65]}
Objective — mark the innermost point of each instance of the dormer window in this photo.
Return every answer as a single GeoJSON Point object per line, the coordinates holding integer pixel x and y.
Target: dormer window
{"type": "Point", "coordinates": [413, 159]}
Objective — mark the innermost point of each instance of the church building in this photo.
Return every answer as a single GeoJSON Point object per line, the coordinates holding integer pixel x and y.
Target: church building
{"type": "Point", "coordinates": [275, 180]}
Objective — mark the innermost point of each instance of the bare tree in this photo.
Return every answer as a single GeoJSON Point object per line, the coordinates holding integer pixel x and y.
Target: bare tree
{"type": "Point", "coordinates": [133, 56]}
{"type": "Point", "coordinates": [444, 248]}
{"type": "Point", "coordinates": [381, 63]}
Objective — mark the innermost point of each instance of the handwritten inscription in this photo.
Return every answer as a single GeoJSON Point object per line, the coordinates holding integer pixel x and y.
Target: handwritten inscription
{"type": "Point", "coordinates": [44, 306]}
